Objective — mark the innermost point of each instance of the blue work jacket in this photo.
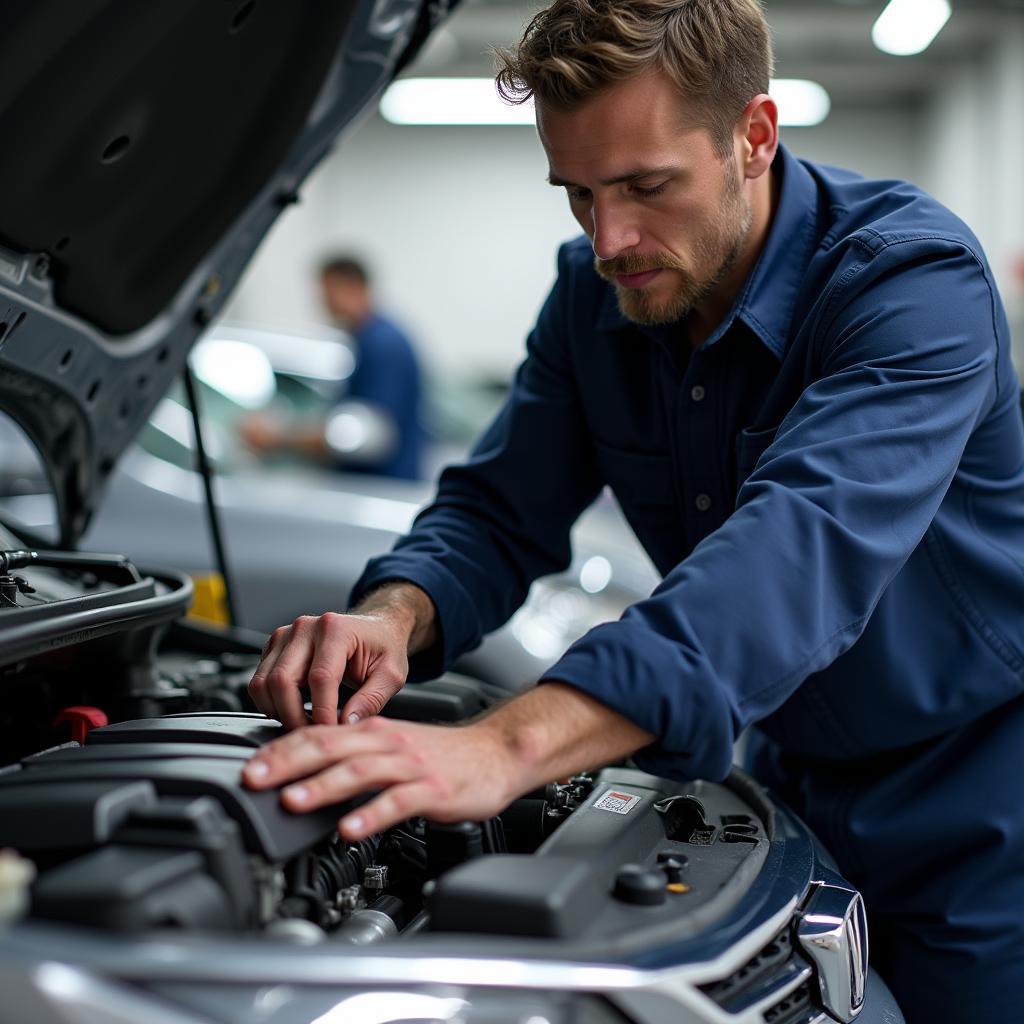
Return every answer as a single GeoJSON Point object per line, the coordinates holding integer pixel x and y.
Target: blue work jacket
{"type": "Point", "coordinates": [832, 487]}
{"type": "Point", "coordinates": [387, 375]}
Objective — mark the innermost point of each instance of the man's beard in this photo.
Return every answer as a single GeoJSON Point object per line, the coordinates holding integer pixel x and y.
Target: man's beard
{"type": "Point", "coordinates": [718, 248]}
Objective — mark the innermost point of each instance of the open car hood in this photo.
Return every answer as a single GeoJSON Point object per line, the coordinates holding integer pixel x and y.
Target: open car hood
{"type": "Point", "coordinates": [148, 149]}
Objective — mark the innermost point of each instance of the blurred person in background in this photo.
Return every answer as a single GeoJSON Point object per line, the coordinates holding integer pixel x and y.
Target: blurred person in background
{"type": "Point", "coordinates": [376, 426]}
{"type": "Point", "coordinates": [798, 384]}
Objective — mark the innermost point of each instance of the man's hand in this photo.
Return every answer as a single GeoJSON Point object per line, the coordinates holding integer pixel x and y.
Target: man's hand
{"type": "Point", "coordinates": [260, 431]}
{"type": "Point", "coordinates": [442, 773]}
{"type": "Point", "coordinates": [368, 650]}
{"type": "Point", "coordinates": [445, 773]}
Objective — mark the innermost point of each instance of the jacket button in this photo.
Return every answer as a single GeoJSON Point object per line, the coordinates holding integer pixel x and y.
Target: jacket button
{"type": "Point", "coordinates": [703, 502]}
{"type": "Point", "coordinates": [697, 393]}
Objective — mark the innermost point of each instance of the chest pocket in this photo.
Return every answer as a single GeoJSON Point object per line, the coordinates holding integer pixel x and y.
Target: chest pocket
{"type": "Point", "coordinates": [644, 485]}
{"type": "Point", "coordinates": [750, 446]}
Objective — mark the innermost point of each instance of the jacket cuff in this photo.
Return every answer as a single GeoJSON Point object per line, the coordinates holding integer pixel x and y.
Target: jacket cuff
{"type": "Point", "coordinates": [656, 684]}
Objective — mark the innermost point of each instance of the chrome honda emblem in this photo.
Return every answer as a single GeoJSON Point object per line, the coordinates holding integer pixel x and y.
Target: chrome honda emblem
{"type": "Point", "coordinates": [833, 932]}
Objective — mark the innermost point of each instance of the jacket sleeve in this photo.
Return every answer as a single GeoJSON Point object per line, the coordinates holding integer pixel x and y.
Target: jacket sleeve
{"type": "Point", "coordinates": [503, 518]}
{"type": "Point", "coordinates": [834, 507]}
{"type": "Point", "coordinates": [387, 374]}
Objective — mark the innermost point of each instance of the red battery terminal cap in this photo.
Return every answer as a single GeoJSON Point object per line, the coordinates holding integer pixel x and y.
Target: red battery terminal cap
{"type": "Point", "coordinates": [82, 717]}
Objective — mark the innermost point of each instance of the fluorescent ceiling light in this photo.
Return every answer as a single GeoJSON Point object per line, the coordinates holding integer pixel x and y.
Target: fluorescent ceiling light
{"type": "Point", "coordinates": [450, 101]}
{"type": "Point", "coordinates": [475, 101]}
{"type": "Point", "coordinates": [909, 26]}
{"type": "Point", "coordinates": [802, 104]}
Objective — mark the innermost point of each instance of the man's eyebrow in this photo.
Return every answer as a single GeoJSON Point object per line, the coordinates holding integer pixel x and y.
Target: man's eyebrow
{"type": "Point", "coordinates": [634, 175]}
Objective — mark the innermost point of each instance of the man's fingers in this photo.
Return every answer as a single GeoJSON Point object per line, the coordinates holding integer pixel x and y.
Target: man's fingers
{"type": "Point", "coordinates": [262, 700]}
{"type": "Point", "coordinates": [350, 778]}
{"type": "Point", "coordinates": [289, 707]}
{"type": "Point", "coordinates": [369, 700]}
{"type": "Point", "coordinates": [327, 667]}
{"type": "Point", "coordinates": [318, 652]}
{"type": "Point", "coordinates": [289, 673]}
{"type": "Point", "coordinates": [315, 747]}
{"type": "Point", "coordinates": [258, 684]}
{"type": "Point", "coordinates": [392, 807]}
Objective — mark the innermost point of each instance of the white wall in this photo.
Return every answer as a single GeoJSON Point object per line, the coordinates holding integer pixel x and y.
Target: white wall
{"type": "Point", "coordinates": [462, 228]}
{"type": "Point", "coordinates": [875, 143]}
{"type": "Point", "coordinates": [459, 224]}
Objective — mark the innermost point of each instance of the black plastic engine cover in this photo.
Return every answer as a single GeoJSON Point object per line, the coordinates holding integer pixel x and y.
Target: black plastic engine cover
{"type": "Point", "coordinates": [630, 823]}
{"type": "Point", "coordinates": [68, 781]}
{"type": "Point", "coordinates": [170, 862]}
{"type": "Point", "coordinates": [71, 816]}
{"type": "Point", "coordinates": [236, 729]}
{"type": "Point", "coordinates": [131, 888]}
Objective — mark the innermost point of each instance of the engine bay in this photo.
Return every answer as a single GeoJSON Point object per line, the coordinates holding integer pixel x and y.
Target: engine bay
{"type": "Point", "coordinates": [127, 837]}
{"type": "Point", "coordinates": [148, 827]}
{"type": "Point", "coordinates": [123, 733]}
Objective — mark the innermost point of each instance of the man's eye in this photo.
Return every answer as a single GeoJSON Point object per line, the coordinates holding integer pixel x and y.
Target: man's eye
{"type": "Point", "coordinates": [577, 195]}
{"type": "Point", "coordinates": [648, 193]}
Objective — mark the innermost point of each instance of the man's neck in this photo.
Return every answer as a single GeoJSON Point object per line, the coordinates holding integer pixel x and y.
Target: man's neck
{"type": "Point", "coordinates": [708, 314]}
{"type": "Point", "coordinates": [356, 324]}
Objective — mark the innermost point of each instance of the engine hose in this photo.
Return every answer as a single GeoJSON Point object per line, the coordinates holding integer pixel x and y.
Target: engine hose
{"type": "Point", "coordinates": [392, 906]}
{"type": "Point", "coordinates": [376, 923]}
{"type": "Point", "coordinates": [333, 872]}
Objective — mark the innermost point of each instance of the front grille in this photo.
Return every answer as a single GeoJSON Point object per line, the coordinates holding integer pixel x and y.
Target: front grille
{"type": "Point", "coordinates": [775, 968]}
{"type": "Point", "coordinates": [797, 1008]}
{"type": "Point", "coordinates": [730, 993]}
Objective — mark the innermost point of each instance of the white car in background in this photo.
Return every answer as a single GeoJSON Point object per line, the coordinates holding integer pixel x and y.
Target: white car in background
{"type": "Point", "coordinates": [297, 536]}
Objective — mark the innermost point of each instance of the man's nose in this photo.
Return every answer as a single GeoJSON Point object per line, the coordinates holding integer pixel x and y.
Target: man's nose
{"type": "Point", "coordinates": [614, 231]}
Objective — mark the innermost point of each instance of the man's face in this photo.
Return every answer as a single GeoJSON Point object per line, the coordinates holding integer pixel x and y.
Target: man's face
{"type": "Point", "coordinates": [667, 216]}
{"type": "Point", "coordinates": [345, 298]}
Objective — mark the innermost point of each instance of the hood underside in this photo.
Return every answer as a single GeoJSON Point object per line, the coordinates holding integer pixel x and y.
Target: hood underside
{"type": "Point", "coordinates": [148, 148]}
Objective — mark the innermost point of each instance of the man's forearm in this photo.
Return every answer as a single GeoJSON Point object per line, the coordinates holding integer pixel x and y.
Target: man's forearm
{"type": "Point", "coordinates": [407, 605]}
{"type": "Point", "coordinates": [555, 731]}
{"type": "Point", "coordinates": [305, 439]}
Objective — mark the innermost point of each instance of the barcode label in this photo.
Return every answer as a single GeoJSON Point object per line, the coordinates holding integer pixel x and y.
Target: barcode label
{"type": "Point", "coordinates": [617, 802]}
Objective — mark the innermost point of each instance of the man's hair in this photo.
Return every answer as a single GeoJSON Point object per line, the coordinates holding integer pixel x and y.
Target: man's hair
{"type": "Point", "coordinates": [345, 266]}
{"type": "Point", "coordinates": [717, 52]}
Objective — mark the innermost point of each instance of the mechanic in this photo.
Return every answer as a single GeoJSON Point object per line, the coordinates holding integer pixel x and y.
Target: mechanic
{"type": "Point", "coordinates": [798, 384]}
{"type": "Point", "coordinates": [383, 391]}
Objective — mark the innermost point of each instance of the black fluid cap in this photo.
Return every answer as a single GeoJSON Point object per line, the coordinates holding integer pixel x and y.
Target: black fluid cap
{"type": "Point", "coordinates": [673, 868]}
{"type": "Point", "coordinates": [680, 858]}
{"type": "Point", "coordinates": [8, 592]}
{"type": "Point", "coordinates": [644, 887]}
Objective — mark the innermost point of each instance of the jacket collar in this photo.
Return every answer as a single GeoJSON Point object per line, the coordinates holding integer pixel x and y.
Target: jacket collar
{"type": "Point", "coordinates": [767, 300]}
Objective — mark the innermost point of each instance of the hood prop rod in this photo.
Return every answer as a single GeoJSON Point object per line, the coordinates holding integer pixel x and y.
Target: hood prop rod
{"type": "Point", "coordinates": [213, 517]}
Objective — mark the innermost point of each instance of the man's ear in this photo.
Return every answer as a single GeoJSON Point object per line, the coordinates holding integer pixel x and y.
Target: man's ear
{"type": "Point", "coordinates": [757, 135]}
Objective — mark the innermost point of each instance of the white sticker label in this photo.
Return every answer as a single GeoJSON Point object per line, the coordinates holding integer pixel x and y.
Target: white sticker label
{"type": "Point", "coordinates": [618, 802]}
